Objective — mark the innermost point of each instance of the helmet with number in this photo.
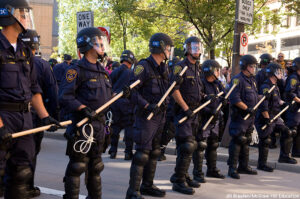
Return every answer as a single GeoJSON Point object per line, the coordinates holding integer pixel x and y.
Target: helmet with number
{"type": "Point", "coordinates": [274, 69]}
{"type": "Point", "coordinates": [16, 11]}
{"type": "Point", "coordinates": [87, 38]}
{"type": "Point", "coordinates": [210, 67]}
{"type": "Point", "coordinates": [296, 64]}
{"type": "Point", "coordinates": [247, 60]}
{"type": "Point", "coordinates": [265, 59]}
{"type": "Point", "coordinates": [192, 46]}
{"type": "Point", "coordinates": [158, 43]}
{"type": "Point", "coordinates": [128, 56]}
{"type": "Point", "coordinates": [32, 39]}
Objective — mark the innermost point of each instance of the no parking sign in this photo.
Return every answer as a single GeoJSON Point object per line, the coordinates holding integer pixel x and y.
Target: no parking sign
{"type": "Point", "coordinates": [243, 43]}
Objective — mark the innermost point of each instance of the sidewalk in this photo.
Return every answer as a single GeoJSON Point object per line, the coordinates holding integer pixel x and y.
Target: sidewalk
{"type": "Point", "coordinates": [222, 153]}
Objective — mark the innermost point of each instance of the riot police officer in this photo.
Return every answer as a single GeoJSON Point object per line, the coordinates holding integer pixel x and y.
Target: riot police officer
{"type": "Point", "coordinates": [292, 91]}
{"type": "Point", "coordinates": [52, 62]}
{"type": "Point", "coordinates": [18, 91]}
{"type": "Point", "coordinates": [85, 88]}
{"type": "Point", "coordinates": [59, 69]}
{"type": "Point", "coordinates": [243, 98]}
{"type": "Point", "coordinates": [211, 87]}
{"type": "Point", "coordinates": [187, 95]}
{"type": "Point", "coordinates": [123, 110]}
{"type": "Point", "coordinates": [48, 85]}
{"type": "Point", "coordinates": [261, 76]}
{"type": "Point", "coordinates": [270, 107]}
{"type": "Point", "coordinates": [153, 74]}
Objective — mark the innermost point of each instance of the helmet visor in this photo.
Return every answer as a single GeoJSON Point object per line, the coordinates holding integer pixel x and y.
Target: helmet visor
{"type": "Point", "coordinates": [279, 73]}
{"type": "Point", "coordinates": [196, 48]}
{"type": "Point", "coordinates": [217, 72]}
{"type": "Point", "coordinates": [170, 50]}
{"type": "Point", "coordinates": [24, 16]}
{"type": "Point", "coordinates": [101, 45]}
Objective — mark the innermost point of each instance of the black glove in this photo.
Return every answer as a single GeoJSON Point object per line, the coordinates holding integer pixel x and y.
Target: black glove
{"type": "Point", "coordinates": [189, 113]}
{"type": "Point", "coordinates": [225, 102]}
{"type": "Point", "coordinates": [126, 92]}
{"type": "Point", "coordinates": [266, 121]}
{"type": "Point", "coordinates": [50, 120]}
{"type": "Point", "coordinates": [178, 79]}
{"type": "Point", "coordinates": [250, 111]}
{"type": "Point", "coordinates": [212, 98]}
{"type": "Point", "coordinates": [88, 112]}
{"type": "Point", "coordinates": [153, 108]}
{"type": "Point", "coordinates": [5, 138]}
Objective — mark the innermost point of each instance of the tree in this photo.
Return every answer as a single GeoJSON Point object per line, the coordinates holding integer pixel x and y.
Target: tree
{"type": "Point", "coordinates": [292, 5]}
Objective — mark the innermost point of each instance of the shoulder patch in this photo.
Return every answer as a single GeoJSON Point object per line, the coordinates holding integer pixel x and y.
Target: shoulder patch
{"type": "Point", "coordinates": [265, 90]}
{"type": "Point", "coordinates": [138, 70]}
{"type": "Point", "coordinates": [71, 75]}
{"type": "Point", "coordinates": [293, 82]}
{"type": "Point", "coordinates": [177, 69]}
{"type": "Point", "coordinates": [236, 81]}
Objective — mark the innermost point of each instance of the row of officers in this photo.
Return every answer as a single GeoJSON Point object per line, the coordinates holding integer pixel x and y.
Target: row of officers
{"type": "Point", "coordinates": [26, 80]}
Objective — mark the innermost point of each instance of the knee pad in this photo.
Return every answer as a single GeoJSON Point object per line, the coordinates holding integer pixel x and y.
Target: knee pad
{"type": "Point", "coordinates": [187, 147]}
{"type": "Point", "coordinates": [294, 132]}
{"type": "Point", "coordinates": [154, 154]}
{"type": "Point", "coordinates": [286, 132]}
{"type": "Point", "coordinates": [213, 145]}
{"type": "Point", "coordinates": [141, 157]}
{"type": "Point", "coordinates": [267, 141]}
{"type": "Point", "coordinates": [76, 168]}
{"type": "Point", "coordinates": [241, 140]}
{"type": "Point", "coordinates": [97, 166]}
{"type": "Point", "coordinates": [202, 145]}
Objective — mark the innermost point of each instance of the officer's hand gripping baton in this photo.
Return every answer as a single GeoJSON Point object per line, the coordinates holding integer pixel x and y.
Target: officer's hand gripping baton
{"type": "Point", "coordinates": [39, 129]}
{"type": "Point", "coordinates": [278, 115]}
{"type": "Point", "coordinates": [107, 104]}
{"type": "Point", "coordinates": [260, 101]}
{"type": "Point", "coordinates": [219, 107]}
{"type": "Point", "coordinates": [200, 107]}
{"type": "Point", "coordinates": [167, 92]}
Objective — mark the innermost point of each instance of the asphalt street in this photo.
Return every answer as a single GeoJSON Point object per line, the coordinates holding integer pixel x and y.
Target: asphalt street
{"type": "Point", "coordinates": [52, 163]}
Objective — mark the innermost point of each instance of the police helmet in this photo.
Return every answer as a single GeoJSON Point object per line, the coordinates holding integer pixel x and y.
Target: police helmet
{"type": "Point", "coordinates": [247, 60]}
{"type": "Point", "coordinates": [296, 64]}
{"type": "Point", "coordinates": [32, 39]}
{"type": "Point", "coordinates": [209, 67]}
{"type": "Point", "coordinates": [85, 38]}
{"type": "Point", "coordinates": [67, 57]}
{"type": "Point", "coordinates": [188, 45]}
{"type": "Point", "coordinates": [265, 59]}
{"type": "Point", "coordinates": [115, 65]}
{"type": "Point", "coordinates": [128, 56]}
{"type": "Point", "coordinates": [274, 69]}
{"type": "Point", "coordinates": [12, 11]}
{"type": "Point", "coordinates": [158, 43]}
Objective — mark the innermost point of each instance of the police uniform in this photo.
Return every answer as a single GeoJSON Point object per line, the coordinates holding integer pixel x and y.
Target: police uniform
{"type": "Point", "coordinates": [292, 90]}
{"type": "Point", "coordinates": [59, 72]}
{"type": "Point", "coordinates": [84, 84]}
{"type": "Point", "coordinates": [18, 84]}
{"type": "Point", "coordinates": [147, 133]}
{"type": "Point", "coordinates": [211, 134]}
{"type": "Point", "coordinates": [191, 90]}
{"type": "Point", "coordinates": [123, 111]}
{"type": "Point", "coordinates": [239, 129]}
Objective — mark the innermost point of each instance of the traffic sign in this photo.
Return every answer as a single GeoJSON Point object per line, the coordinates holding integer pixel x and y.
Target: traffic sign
{"type": "Point", "coordinates": [243, 43]}
{"type": "Point", "coordinates": [245, 11]}
{"type": "Point", "coordinates": [84, 20]}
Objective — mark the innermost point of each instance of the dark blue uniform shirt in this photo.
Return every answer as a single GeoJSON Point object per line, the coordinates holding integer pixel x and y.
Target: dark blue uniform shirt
{"type": "Point", "coordinates": [59, 72]}
{"type": "Point", "coordinates": [18, 80]}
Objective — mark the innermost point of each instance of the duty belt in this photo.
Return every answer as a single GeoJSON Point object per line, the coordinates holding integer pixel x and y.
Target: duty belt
{"type": "Point", "coordinates": [15, 107]}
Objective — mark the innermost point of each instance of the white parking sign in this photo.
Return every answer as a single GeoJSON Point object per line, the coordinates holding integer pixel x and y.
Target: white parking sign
{"type": "Point", "coordinates": [85, 20]}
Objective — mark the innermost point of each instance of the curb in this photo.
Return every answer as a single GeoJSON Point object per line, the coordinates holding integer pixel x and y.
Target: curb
{"type": "Point", "coordinates": [171, 150]}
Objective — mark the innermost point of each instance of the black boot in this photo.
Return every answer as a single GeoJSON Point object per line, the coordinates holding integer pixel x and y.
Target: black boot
{"type": "Point", "coordinates": [147, 187]}
{"type": "Point", "coordinates": [234, 151]}
{"type": "Point", "coordinates": [93, 185]}
{"type": "Point", "coordinates": [162, 156]}
{"type": "Point", "coordinates": [211, 158]}
{"type": "Point", "coordinates": [296, 145]}
{"type": "Point", "coordinates": [72, 178]}
{"type": "Point", "coordinates": [139, 160]}
{"type": "Point", "coordinates": [114, 142]}
{"type": "Point", "coordinates": [244, 167]}
{"type": "Point", "coordinates": [263, 151]}
{"type": "Point", "coordinates": [33, 191]}
{"type": "Point", "coordinates": [286, 142]}
{"type": "Point", "coordinates": [198, 157]}
{"type": "Point", "coordinates": [191, 182]}
{"type": "Point", "coordinates": [183, 160]}
{"type": "Point", "coordinates": [18, 178]}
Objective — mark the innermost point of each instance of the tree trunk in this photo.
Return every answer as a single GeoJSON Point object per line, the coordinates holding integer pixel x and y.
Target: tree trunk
{"type": "Point", "coordinates": [212, 53]}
